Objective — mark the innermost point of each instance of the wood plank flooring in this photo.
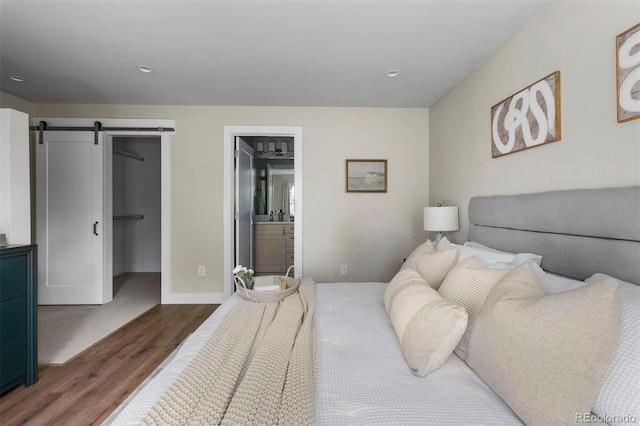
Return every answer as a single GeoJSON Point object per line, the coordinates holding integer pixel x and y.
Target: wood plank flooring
{"type": "Point", "coordinates": [86, 389]}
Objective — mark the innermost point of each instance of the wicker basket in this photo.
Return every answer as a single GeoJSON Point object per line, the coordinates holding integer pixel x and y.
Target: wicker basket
{"type": "Point", "coordinates": [269, 296]}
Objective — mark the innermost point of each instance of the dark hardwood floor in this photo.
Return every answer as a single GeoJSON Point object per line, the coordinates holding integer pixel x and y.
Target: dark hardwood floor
{"type": "Point", "coordinates": [86, 389]}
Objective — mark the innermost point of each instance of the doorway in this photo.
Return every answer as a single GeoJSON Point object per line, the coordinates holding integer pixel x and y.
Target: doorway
{"type": "Point", "coordinates": [137, 218]}
{"type": "Point", "coordinates": [265, 204]}
{"type": "Point", "coordinates": [230, 212]}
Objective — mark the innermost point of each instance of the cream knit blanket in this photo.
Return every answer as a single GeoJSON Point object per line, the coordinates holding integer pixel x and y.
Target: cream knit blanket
{"type": "Point", "coordinates": [257, 368]}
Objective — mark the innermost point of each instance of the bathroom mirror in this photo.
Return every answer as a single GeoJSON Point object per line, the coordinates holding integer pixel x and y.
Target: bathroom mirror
{"type": "Point", "coordinates": [280, 189]}
{"type": "Point", "coordinates": [273, 173]}
{"type": "Point", "coordinates": [274, 187]}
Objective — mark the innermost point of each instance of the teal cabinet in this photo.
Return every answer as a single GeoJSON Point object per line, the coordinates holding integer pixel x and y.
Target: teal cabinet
{"type": "Point", "coordinates": [18, 316]}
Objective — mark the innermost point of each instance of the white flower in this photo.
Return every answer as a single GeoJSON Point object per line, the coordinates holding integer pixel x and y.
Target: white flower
{"type": "Point", "coordinates": [251, 271]}
{"type": "Point", "coordinates": [238, 269]}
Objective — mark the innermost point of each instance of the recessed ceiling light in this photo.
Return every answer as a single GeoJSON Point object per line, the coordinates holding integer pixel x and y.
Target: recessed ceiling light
{"type": "Point", "coordinates": [145, 69]}
{"type": "Point", "coordinates": [16, 78]}
{"type": "Point", "coordinates": [392, 73]}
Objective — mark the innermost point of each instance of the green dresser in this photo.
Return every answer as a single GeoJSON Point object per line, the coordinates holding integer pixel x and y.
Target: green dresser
{"type": "Point", "coordinates": [18, 316]}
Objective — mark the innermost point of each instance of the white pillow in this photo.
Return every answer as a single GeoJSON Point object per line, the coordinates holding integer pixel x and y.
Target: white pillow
{"type": "Point", "coordinates": [444, 243]}
{"type": "Point", "coordinates": [555, 283]}
{"type": "Point", "coordinates": [519, 258]}
{"type": "Point", "coordinates": [490, 259]}
{"type": "Point", "coordinates": [428, 327]}
{"type": "Point", "coordinates": [493, 258]}
{"type": "Point", "coordinates": [620, 392]}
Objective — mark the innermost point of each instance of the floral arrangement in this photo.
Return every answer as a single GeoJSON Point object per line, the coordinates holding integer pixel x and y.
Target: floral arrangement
{"type": "Point", "coordinates": [243, 277]}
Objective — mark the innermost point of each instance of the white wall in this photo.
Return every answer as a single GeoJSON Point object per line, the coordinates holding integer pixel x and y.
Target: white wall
{"type": "Point", "coordinates": [576, 38]}
{"type": "Point", "coordinates": [371, 233]}
{"type": "Point", "coordinates": [136, 190]}
{"type": "Point", "coordinates": [15, 183]}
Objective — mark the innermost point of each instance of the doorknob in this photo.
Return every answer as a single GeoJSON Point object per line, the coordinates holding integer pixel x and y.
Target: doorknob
{"type": "Point", "coordinates": [95, 228]}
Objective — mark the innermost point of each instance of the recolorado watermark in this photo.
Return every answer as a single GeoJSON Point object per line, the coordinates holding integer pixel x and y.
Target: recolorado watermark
{"type": "Point", "coordinates": [594, 418]}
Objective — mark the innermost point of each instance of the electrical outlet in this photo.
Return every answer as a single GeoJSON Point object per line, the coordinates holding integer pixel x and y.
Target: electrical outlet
{"type": "Point", "coordinates": [344, 270]}
{"type": "Point", "coordinates": [201, 271]}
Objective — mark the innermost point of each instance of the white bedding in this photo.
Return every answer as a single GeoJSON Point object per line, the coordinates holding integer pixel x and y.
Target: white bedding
{"type": "Point", "coordinates": [363, 378]}
{"type": "Point", "coordinates": [362, 375]}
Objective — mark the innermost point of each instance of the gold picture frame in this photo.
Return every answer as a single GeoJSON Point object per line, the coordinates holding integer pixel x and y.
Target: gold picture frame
{"type": "Point", "coordinates": [627, 75]}
{"type": "Point", "coordinates": [366, 175]}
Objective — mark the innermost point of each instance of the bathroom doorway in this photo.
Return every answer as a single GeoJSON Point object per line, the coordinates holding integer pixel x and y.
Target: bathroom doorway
{"type": "Point", "coordinates": [274, 198]}
{"type": "Point", "coordinates": [265, 204]}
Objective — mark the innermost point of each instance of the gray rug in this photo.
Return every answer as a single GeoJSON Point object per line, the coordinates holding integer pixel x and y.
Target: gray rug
{"type": "Point", "coordinates": [65, 331]}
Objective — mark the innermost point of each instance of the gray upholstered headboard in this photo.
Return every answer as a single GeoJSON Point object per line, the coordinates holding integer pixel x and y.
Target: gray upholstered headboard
{"type": "Point", "coordinates": [577, 232]}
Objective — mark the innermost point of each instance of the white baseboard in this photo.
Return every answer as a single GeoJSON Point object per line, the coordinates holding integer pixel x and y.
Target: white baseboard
{"type": "Point", "coordinates": [192, 298]}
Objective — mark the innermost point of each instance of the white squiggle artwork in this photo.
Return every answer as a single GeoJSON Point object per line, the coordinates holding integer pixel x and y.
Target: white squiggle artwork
{"type": "Point", "coordinates": [529, 118]}
{"type": "Point", "coordinates": [628, 74]}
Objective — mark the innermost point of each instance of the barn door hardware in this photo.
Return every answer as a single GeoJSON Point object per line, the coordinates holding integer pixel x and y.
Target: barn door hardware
{"type": "Point", "coordinates": [97, 127]}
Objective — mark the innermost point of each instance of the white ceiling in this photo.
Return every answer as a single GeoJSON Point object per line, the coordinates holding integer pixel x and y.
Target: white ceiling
{"type": "Point", "coordinates": [207, 52]}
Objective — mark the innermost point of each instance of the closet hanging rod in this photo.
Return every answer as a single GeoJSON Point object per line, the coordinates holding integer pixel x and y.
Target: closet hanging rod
{"type": "Point", "coordinates": [97, 127]}
{"type": "Point", "coordinates": [128, 154]}
{"type": "Point", "coordinates": [129, 216]}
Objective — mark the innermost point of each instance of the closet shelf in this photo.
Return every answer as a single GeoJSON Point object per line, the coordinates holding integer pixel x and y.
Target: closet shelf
{"type": "Point", "coordinates": [129, 216]}
{"type": "Point", "coordinates": [128, 154]}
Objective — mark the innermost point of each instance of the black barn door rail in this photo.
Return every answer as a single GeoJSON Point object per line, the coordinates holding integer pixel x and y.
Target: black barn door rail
{"type": "Point", "coordinates": [97, 127]}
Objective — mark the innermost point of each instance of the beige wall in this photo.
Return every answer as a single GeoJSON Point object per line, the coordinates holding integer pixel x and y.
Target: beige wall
{"type": "Point", "coordinates": [19, 104]}
{"type": "Point", "coordinates": [371, 233]}
{"type": "Point", "coordinates": [576, 38]}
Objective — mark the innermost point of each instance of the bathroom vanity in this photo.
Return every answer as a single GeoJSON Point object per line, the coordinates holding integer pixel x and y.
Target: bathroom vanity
{"type": "Point", "coordinates": [273, 247]}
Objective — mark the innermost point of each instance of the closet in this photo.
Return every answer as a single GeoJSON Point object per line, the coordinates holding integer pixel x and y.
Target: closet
{"type": "Point", "coordinates": [74, 204]}
{"type": "Point", "coordinates": [136, 205]}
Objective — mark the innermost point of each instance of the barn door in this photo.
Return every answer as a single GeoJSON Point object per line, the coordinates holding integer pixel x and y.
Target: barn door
{"type": "Point", "coordinates": [70, 221]}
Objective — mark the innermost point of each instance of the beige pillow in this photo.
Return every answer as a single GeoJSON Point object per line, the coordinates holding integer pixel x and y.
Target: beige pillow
{"type": "Point", "coordinates": [428, 327]}
{"type": "Point", "coordinates": [468, 284]}
{"type": "Point", "coordinates": [434, 266]}
{"type": "Point", "coordinates": [426, 247]}
{"type": "Point", "coordinates": [403, 279]}
{"type": "Point", "coordinates": [545, 354]}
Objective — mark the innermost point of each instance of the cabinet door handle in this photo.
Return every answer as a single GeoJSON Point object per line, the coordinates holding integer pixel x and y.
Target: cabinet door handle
{"type": "Point", "coordinates": [95, 228]}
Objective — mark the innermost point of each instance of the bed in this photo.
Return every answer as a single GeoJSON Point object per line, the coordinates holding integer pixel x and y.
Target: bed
{"type": "Point", "coordinates": [362, 374]}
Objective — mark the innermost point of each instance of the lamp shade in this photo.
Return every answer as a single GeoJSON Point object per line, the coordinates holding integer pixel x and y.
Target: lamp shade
{"type": "Point", "coordinates": [441, 218]}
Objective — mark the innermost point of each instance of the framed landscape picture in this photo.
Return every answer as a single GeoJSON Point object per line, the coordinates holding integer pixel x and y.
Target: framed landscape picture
{"type": "Point", "coordinates": [628, 74]}
{"type": "Point", "coordinates": [366, 175]}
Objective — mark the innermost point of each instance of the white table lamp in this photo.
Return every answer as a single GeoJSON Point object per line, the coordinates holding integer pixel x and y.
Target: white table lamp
{"type": "Point", "coordinates": [441, 219]}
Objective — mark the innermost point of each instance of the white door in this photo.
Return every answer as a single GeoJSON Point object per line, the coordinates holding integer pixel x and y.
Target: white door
{"type": "Point", "coordinates": [244, 204]}
{"type": "Point", "coordinates": [70, 218]}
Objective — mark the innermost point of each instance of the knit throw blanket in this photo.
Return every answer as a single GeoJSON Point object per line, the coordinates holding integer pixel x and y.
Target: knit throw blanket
{"type": "Point", "coordinates": [257, 368]}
